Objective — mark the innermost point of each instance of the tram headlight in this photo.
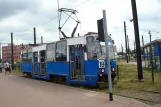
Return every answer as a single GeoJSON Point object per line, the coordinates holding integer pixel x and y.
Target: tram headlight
{"type": "Point", "coordinates": [113, 69]}
{"type": "Point", "coordinates": [103, 71]}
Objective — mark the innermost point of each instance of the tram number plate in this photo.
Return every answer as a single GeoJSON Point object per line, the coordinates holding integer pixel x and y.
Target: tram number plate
{"type": "Point", "coordinates": [101, 64]}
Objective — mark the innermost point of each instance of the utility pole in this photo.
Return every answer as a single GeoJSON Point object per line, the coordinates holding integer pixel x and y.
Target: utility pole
{"type": "Point", "coordinates": [107, 53]}
{"type": "Point", "coordinates": [142, 40]}
{"type": "Point", "coordinates": [126, 41]}
{"type": "Point", "coordinates": [128, 47]}
{"type": "Point", "coordinates": [34, 36]}
{"type": "Point", "coordinates": [12, 58]}
{"type": "Point", "coordinates": [122, 50]}
{"type": "Point", "coordinates": [151, 59]}
{"type": "Point", "coordinates": [143, 49]}
{"type": "Point", "coordinates": [150, 36]}
{"type": "Point", "coordinates": [41, 40]}
{"type": "Point", "coordinates": [137, 39]}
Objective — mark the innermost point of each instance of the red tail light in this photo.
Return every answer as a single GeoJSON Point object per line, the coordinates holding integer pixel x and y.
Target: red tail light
{"type": "Point", "coordinates": [101, 70]}
{"type": "Point", "coordinates": [115, 69]}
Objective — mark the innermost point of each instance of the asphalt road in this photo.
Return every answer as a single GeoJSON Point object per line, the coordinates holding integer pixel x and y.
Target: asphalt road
{"type": "Point", "coordinates": [23, 92]}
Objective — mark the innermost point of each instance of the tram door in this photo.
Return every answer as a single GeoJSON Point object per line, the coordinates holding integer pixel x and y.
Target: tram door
{"type": "Point", "coordinates": [77, 62]}
{"type": "Point", "coordinates": [35, 63]}
{"type": "Point", "coordinates": [42, 62]}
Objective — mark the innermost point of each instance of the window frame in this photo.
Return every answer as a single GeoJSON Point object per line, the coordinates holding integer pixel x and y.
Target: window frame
{"type": "Point", "coordinates": [54, 56]}
{"type": "Point", "coordinates": [29, 59]}
{"type": "Point", "coordinates": [56, 50]}
{"type": "Point", "coordinates": [93, 41]}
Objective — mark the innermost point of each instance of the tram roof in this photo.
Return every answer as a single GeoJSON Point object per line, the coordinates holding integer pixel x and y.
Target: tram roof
{"type": "Point", "coordinates": [76, 40]}
{"type": "Point", "coordinates": [153, 42]}
{"type": "Point", "coordinates": [39, 48]}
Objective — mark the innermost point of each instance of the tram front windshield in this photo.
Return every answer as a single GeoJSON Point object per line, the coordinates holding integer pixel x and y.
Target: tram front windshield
{"type": "Point", "coordinates": [100, 50]}
{"type": "Point", "coordinates": [111, 50]}
{"type": "Point", "coordinates": [97, 49]}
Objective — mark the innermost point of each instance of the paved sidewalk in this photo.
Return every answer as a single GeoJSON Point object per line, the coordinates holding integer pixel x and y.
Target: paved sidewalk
{"type": "Point", "coordinates": [24, 92]}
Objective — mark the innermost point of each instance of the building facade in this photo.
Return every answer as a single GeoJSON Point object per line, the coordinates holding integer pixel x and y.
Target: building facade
{"type": "Point", "coordinates": [6, 52]}
{"type": "Point", "coordinates": [152, 54]}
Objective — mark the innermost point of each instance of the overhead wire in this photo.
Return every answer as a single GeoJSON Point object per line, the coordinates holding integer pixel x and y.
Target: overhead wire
{"type": "Point", "coordinates": [47, 22]}
{"type": "Point", "coordinates": [67, 14]}
{"type": "Point", "coordinates": [57, 15]}
{"type": "Point", "coordinates": [81, 3]}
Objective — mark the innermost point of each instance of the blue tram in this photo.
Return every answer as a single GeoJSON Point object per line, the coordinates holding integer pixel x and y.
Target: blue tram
{"type": "Point", "coordinates": [78, 60]}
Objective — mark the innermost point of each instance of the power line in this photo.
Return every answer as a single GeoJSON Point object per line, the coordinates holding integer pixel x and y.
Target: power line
{"type": "Point", "coordinates": [57, 16]}
{"type": "Point", "coordinates": [59, 19]}
{"type": "Point", "coordinates": [81, 3]}
{"type": "Point", "coordinates": [26, 33]}
{"type": "Point", "coordinates": [48, 21]}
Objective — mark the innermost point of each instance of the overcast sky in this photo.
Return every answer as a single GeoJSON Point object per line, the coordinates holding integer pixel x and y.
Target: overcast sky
{"type": "Point", "coordinates": [20, 16]}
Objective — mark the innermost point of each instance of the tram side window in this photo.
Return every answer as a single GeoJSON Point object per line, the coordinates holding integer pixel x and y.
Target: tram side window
{"type": "Point", "coordinates": [61, 51]}
{"type": "Point", "coordinates": [51, 52]}
{"type": "Point", "coordinates": [24, 58]}
{"type": "Point", "coordinates": [29, 55]}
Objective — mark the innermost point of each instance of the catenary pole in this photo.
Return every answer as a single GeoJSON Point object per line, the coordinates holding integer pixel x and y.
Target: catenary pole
{"type": "Point", "coordinates": [107, 53]}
